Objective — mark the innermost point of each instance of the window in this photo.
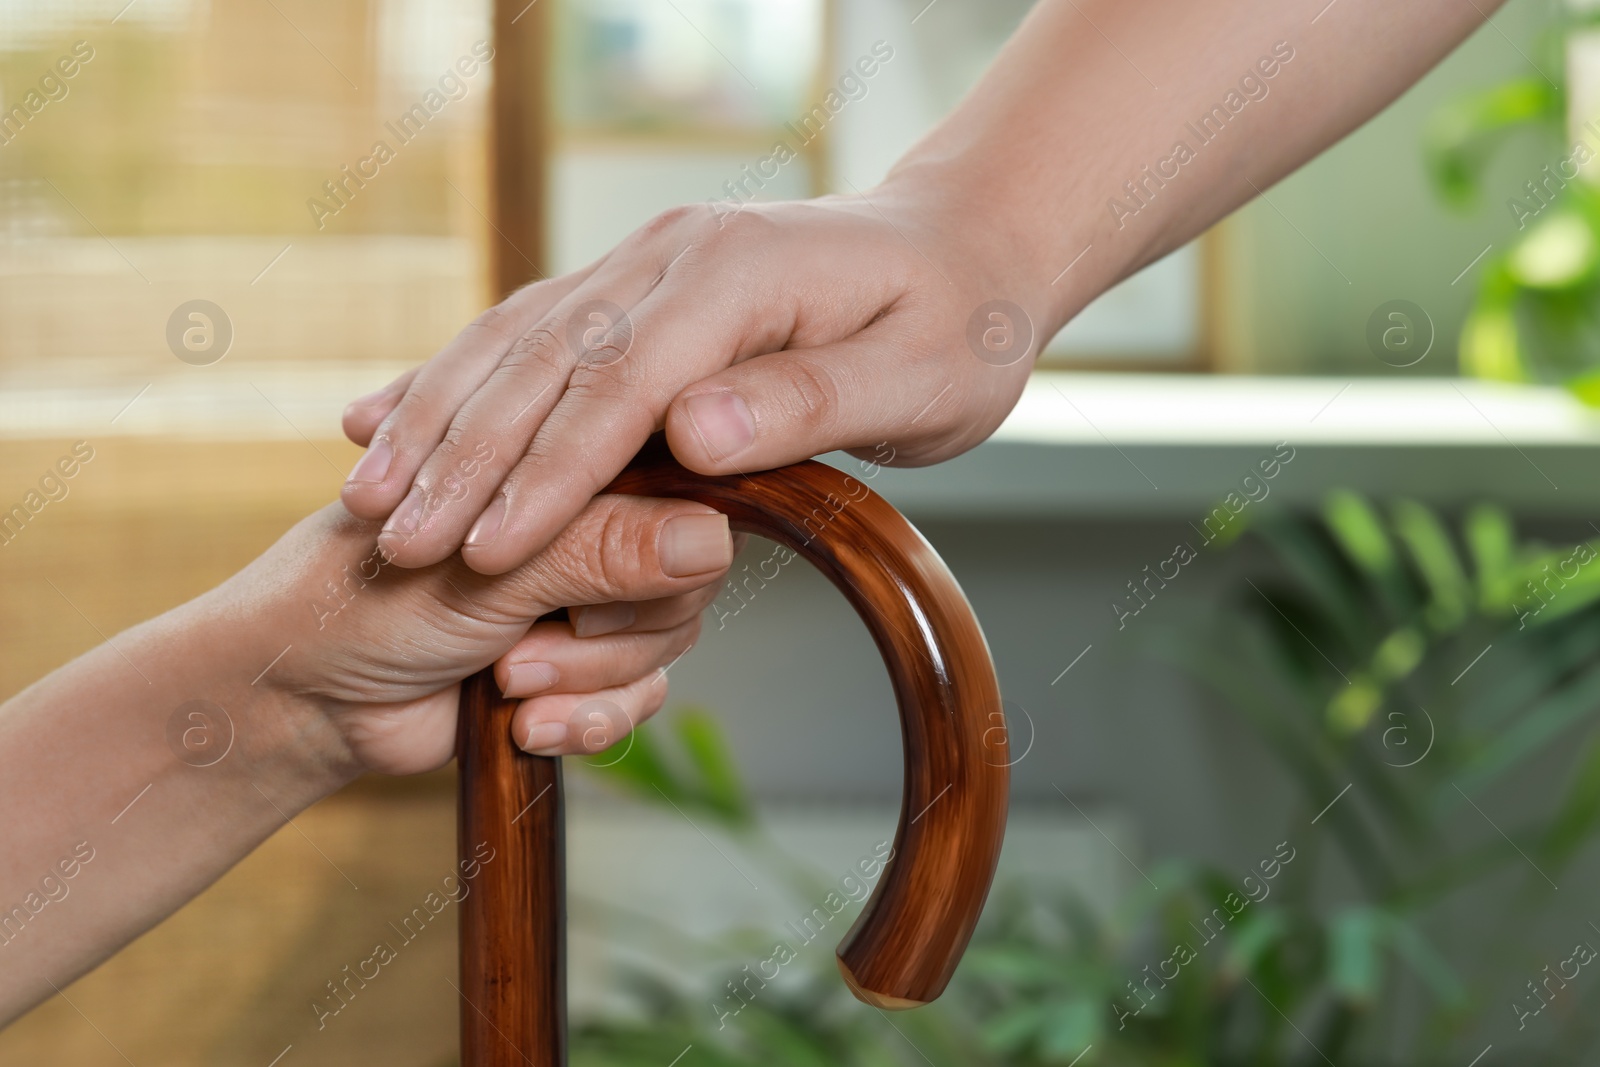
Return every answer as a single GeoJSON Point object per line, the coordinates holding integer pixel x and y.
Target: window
{"type": "Point", "coordinates": [314, 174]}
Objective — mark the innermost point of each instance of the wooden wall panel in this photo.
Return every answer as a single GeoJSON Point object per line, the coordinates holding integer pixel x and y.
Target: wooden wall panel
{"type": "Point", "coordinates": [230, 979]}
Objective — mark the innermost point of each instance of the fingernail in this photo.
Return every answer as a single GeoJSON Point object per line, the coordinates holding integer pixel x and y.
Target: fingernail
{"type": "Point", "coordinates": [723, 422]}
{"type": "Point", "coordinates": [406, 517]}
{"type": "Point", "coordinates": [694, 544]}
{"type": "Point", "coordinates": [600, 619]}
{"type": "Point", "coordinates": [488, 525]}
{"type": "Point", "coordinates": [526, 679]}
{"type": "Point", "coordinates": [543, 737]}
{"type": "Point", "coordinates": [375, 464]}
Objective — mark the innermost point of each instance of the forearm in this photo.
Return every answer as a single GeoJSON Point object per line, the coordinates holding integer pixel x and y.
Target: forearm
{"type": "Point", "coordinates": [1106, 134]}
{"type": "Point", "coordinates": [115, 817]}
{"type": "Point", "coordinates": [1069, 146]}
{"type": "Point", "coordinates": [126, 796]}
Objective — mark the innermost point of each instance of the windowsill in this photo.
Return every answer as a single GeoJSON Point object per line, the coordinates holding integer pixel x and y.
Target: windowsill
{"type": "Point", "coordinates": [1125, 445]}
{"type": "Point", "coordinates": [1063, 407]}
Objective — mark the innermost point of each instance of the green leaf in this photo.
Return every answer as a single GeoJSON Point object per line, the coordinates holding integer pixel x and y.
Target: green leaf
{"type": "Point", "coordinates": [640, 770]}
{"type": "Point", "coordinates": [1490, 539]}
{"type": "Point", "coordinates": [1566, 595]}
{"type": "Point", "coordinates": [1351, 708]}
{"type": "Point", "coordinates": [1360, 532]}
{"type": "Point", "coordinates": [708, 752]}
{"type": "Point", "coordinates": [1489, 346]}
{"type": "Point", "coordinates": [1242, 677]}
{"type": "Point", "coordinates": [1531, 663]}
{"type": "Point", "coordinates": [1355, 525]}
{"type": "Point", "coordinates": [1532, 731]}
{"type": "Point", "coordinates": [1353, 955]}
{"type": "Point", "coordinates": [1071, 1029]}
{"type": "Point", "coordinates": [1398, 654]}
{"type": "Point", "coordinates": [1426, 961]}
{"type": "Point", "coordinates": [1462, 136]}
{"type": "Point", "coordinates": [709, 784]}
{"type": "Point", "coordinates": [1425, 538]}
{"type": "Point", "coordinates": [1579, 813]}
{"type": "Point", "coordinates": [1259, 932]}
{"type": "Point", "coordinates": [1013, 964]}
{"type": "Point", "coordinates": [1309, 556]}
{"type": "Point", "coordinates": [1586, 387]}
{"type": "Point", "coordinates": [1016, 1027]}
{"type": "Point", "coordinates": [1558, 252]}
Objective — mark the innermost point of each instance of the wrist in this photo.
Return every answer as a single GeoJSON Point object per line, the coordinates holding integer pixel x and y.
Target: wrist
{"type": "Point", "coordinates": [252, 631]}
{"type": "Point", "coordinates": [279, 732]}
{"type": "Point", "coordinates": [1025, 243]}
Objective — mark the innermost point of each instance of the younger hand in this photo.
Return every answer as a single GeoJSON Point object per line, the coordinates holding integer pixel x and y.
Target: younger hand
{"type": "Point", "coordinates": [757, 338]}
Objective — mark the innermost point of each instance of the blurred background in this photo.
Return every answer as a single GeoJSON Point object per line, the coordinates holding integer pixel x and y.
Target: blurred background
{"type": "Point", "coordinates": [1345, 758]}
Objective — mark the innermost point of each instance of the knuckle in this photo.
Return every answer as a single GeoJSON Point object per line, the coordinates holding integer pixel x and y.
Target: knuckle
{"type": "Point", "coordinates": [716, 245]}
{"type": "Point", "coordinates": [666, 220]}
{"type": "Point", "coordinates": [814, 394]}
{"type": "Point", "coordinates": [453, 440]}
{"type": "Point", "coordinates": [498, 322]}
{"type": "Point", "coordinates": [599, 333]}
{"type": "Point", "coordinates": [592, 467]}
{"type": "Point", "coordinates": [746, 225]}
{"type": "Point", "coordinates": [441, 477]}
{"type": "Point", "coordinates": [537, 349]}
{"type": "Point", "coordinates": [610, 556]}
{"type": "Point", "coordinates": [419, 407]}
{"type": "Point", "coordinates": [600, 381]}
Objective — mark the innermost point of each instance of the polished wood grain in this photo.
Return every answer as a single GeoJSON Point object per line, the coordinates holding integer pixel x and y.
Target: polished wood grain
{"type": "Point", "coordinates": [514, 927]}
{"type": "Point", "coordinates": [911, 933]}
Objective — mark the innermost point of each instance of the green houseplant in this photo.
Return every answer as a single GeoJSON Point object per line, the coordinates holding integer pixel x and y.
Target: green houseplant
{"type": "Point", "coordinates": [1346, 662]}
{"type": "Point", "coordinates": [1536, 313]}
{"type": "Point", "coordinates": [1353, 661]}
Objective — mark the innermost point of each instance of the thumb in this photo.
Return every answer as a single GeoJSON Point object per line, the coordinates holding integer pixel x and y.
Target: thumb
{"type": "Point", "coordinates": [788, 406]}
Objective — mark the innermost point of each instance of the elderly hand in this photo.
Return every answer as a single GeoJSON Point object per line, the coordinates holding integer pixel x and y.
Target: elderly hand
{"type": "Point", "coordinates": [381, 650]}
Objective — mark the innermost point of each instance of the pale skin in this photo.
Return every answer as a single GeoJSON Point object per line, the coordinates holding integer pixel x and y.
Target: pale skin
{"type": "Point", "coordinates": [100, 754]}
{"type": "Point", "coordinates": [759, 338]}
{"type": "Point", "coordinates": [780, 331]}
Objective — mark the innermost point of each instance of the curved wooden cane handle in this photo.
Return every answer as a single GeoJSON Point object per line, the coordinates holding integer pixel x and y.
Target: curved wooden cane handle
{"type": "Point", "coordinates": [910, 935]}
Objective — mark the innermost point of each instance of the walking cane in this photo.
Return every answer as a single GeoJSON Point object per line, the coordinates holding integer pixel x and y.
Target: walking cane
{"type": "Point", "coordinates": [912, 931]}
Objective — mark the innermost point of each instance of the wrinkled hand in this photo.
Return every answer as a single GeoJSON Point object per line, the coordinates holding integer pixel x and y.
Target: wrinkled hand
{"type": "Point", "coordinates": [756, 337]}
{"type": "Point", "coordinates": [381, 650]}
